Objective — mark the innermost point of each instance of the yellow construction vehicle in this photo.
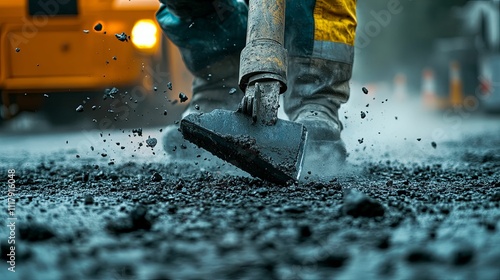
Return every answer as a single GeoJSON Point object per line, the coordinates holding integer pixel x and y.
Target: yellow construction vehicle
{"type": "Point", "coordinates": [81, 46]}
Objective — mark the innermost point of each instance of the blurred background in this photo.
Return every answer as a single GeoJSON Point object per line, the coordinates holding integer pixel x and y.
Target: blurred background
{"type": "Point", "coordinates": [446, 51]}
{"type": "Point", "coordinates": [105, 64]}
{"type": "Point", "coordinates": [87, 64]}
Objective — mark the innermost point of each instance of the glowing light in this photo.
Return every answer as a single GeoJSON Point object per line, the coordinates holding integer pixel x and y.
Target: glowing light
{"type": "Point", "coordinates": [144, 34]}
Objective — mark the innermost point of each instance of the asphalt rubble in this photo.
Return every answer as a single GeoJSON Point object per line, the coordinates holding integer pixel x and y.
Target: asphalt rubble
{"type": "Point", "coordinates": [383, 220]}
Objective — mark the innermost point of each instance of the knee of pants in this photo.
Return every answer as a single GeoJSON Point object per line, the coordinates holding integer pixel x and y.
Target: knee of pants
{"type": "Point", "coordinates": [207, 39]}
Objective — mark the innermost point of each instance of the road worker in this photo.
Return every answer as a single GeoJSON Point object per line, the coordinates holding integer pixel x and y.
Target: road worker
{"type": "Point", "coordinates": [319, 38]}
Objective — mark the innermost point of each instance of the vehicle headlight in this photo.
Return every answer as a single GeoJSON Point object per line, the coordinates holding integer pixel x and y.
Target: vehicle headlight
{"type": "Point", "coordinates": [144, 34]}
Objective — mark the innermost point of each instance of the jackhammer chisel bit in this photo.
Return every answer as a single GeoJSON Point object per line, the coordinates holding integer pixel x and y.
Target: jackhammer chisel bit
{"type": "Point", "coordinates": [253, 138]}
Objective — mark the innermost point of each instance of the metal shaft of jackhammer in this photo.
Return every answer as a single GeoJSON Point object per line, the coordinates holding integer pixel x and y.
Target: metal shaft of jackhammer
{"type": "Point", "coordinates": [266, 21]}
{"type": "Point", "coordinates": [263, 62]}
{"type": "Point", "coordinates": [264, 55]}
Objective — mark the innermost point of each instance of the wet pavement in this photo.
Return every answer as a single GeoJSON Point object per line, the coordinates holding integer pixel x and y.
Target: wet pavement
{"type": "Point", "coordinates": [93, 204]}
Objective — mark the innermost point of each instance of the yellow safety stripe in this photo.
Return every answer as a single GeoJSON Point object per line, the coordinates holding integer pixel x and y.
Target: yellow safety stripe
{"type": "Point", "coordinates": [335, 21]}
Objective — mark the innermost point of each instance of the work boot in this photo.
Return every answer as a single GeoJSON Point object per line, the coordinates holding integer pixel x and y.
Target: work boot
{"type": "Point", "coordinates": [317, 88]}
{"type": "Point", "coordinates": [216, 87]}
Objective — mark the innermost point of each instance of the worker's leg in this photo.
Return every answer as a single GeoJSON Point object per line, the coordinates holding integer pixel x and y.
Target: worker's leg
{"type": "Point", "coordinates": [205, 31]}
{"type": "Point", "coordinates": [320, 39]}
{"type": "Point", "coordinates": [210, 35]}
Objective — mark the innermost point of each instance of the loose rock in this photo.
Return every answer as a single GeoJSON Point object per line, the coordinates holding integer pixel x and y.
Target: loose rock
{"type": "Point", "coordinates": [137, 220]}
{"type": "Point", "coordinates": [357, 204]}
{"type": "Point", "coordinates": [98, 27]}
{"type": "Point", "coordinates": [110, 92]}
{"type": "Point", "coordinates": [122, 37]}
{"type": "Point", "coordinates": [89, 200]}
{"type": "Point", "coordinates": [462, 256]}
{"type": "Point", "coordinates": [137, 131]}
{"type": "Point", "coordinates": [151, 142]}
{"type": "Point", "coordinates": [33, 231]}
{"type": "Point", "coordinates": [156, 177]}
{"type": "Point", "coordinates": [418, 255]}
{"type": "Point", "coordinates": [182, 97]}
